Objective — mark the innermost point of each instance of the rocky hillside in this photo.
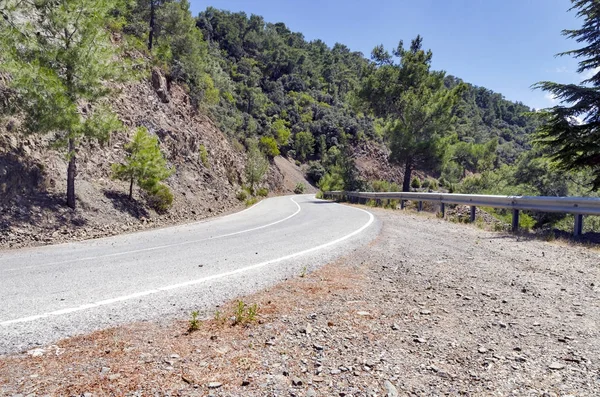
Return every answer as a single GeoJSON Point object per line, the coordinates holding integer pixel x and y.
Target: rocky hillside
{"type": "Point", "coordinates": [32, 174]}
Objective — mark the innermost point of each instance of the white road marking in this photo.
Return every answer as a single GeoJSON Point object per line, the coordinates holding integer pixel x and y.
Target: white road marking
{"type": "Point", "coordinates": [192, 282]}
{"type": "Point", "coordinates": [158, 247]}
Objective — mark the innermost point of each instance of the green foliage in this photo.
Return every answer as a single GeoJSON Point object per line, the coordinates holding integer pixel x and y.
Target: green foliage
{"type": "Point", "coordinates": [203, 154]}
{"type": "Point", "coordinates": [385, 186]}
{"type": "Point", "coordinates": [194, 323]}
{"type": "Point", "coordinates": [251, 201]}
{"type": "Point", "coordinates": [160, 198]}
{"type": "Point", "coordinates": [262, 192]}
{"type": "Point", "coordinates": [315, 171]}
{"type": "Point", "coordinates": [300, 188]}
{"type": "Point", "coordinates": [416, 103]}
{"type": "Point", "coordinates": [256, 166]}
{"type": "Point", "coordinates": [571, 130]}
{"type": "Point", "coordinates": [415, 183]}
{"type": "Point", "coordinates": [244, 313]}
{"type": "Point", "coordinates": [304, 144]}
{"type": "Point", "coordinates": [268, 145]}
{"type": "Point", "coordinates": [58, 58]}
{"type": "Point", "coordinates": [241, 195]}
{"type": "Point", "coordinates": [144, 164]}
{"type": "Point", "coordinates": [282, 132]}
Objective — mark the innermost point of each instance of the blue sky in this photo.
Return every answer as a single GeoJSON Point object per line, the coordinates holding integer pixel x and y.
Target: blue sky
{"type": "Point", "coordinates": [504, 45]}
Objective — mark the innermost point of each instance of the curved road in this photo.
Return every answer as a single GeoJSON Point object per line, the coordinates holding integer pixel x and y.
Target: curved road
{"type": "Point", "coordinates": [53, 292]}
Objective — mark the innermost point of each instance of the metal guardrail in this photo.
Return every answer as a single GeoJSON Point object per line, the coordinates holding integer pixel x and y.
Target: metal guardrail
{"type": "Point", "coordinates": [577, 206]}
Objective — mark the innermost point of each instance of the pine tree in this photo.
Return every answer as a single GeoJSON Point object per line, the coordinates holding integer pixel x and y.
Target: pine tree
{"type": "Point", "coordinates": [571, 129]}
{"type": "Point", "coordinates": [416, 104]}
{"type": "Point", "coordinates": [144, 164]}
{"type": "Point", "coordinates": [59, 56]}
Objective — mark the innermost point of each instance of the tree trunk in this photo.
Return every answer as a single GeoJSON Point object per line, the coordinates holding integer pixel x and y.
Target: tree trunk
{"type": "Point", "coordinates": [152, 17]}
{"type": "Point", "coordinates": [407, 175]}
{"type": "Point", "coordinates": [131, 189]}
{"type": "Point", "coordinates": [71, 175]}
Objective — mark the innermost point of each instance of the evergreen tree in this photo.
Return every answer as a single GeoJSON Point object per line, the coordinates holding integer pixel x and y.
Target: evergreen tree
{"type": "Point", "coordinates": [144, 164]}
{"type": "Point", "coordinates": [571, 130]}
{"type": "Point", "coordinates": [416, 104]}
{"type": "Point", "coordinates": [59, 56]}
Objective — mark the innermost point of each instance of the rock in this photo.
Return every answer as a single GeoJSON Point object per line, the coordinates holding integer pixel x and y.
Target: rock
{"type": "Point", "coordinates": [36, 352]}
{"type": "Point", "coordinates": [296, 381]}
{"type": "Point", "coordinates": [159, 83]}
{"type": "Point", "coordinates": [363, 314]}
{"type": "Point", "coordinates": [335, 372]}
{"type": "Point", "coordinates": [390, 389]}
{"type": "Point", "coordinates": [105, 370]}
{"type": "Point", "coordinates": [482, 350]}
{"type": "Point", "coordinates": [425, 312]}
{"type": "Point", "coordinates": [395, 327]}
{"type": "Point", "coordinates": [114, 376]}
{"type": "Point", "coordinates": [306, 329]}
{"type": "Point", "coordinates": [214, 385]}
{"type": "Point", "coordinates": [318, 347]}
{"type": "Point", "coordinates": [420, 340]}
{"type": "Point", "coordinates": [556, 366]}
{"type": "Point", "coordinates": [311, 393]}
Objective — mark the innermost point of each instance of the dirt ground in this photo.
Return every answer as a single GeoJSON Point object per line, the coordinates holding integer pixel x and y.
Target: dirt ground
{"type": "Point", "coordinates": [429, 308]}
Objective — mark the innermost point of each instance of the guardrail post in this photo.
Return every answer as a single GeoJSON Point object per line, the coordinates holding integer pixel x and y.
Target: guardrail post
{"type": "Point", "coordinates": [515, 220]}
{"type": "Point", "coordinates": [420, 206]}
{"type": "Point", "coordinates": [443, 210]}
{"type": "Point", "coordinates": [578, 229]}
{"type": "Point", "coordinates": [402, 204]}
{"type": "Point", "coordinates": [473, 213]}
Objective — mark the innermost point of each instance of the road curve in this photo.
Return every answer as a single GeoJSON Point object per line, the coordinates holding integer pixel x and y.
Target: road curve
{"type": "Point", "coordinates": [53, 292]}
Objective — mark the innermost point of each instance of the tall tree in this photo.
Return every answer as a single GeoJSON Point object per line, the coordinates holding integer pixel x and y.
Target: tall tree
{"type": "Point", "coordinates": [416, 103]}
{"type": "Point", "coordinates": [571, 129]}
{"type": "Point", "coordinates": [59, 56]}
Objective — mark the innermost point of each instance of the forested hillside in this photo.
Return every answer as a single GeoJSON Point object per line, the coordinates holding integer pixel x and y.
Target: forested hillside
{"type": "Point", "coordinates": [301, 95]}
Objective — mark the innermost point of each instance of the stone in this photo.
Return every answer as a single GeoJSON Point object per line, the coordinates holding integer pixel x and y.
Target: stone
{"type": "Point", "coordinates": [159, 83]}
{"type": "Point", "coordinates": [214, 385]}
{"type": "Point", "coordinates": [311, 393]}
{"type": "Point", "coordinates": [296, 381]}
{"type": "Point", "coordinates": [556, 366]}
{"type": "Point", "coordinates": [390, 389]}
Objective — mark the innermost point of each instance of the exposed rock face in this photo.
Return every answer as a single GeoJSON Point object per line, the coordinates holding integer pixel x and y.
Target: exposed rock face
{"type": "Point", "coordinates": [159, 82]}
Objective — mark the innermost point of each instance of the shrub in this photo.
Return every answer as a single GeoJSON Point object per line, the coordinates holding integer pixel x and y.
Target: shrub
{"type": "Point", "coordinates": [203, 154]}
{"type": "Point", "coordinates": [268, 145]}
{"type": "Point", "coordinates": [241, 195]}
{"type": "Point", "coordinates": [160, 198]}
{"type": "Point", "coordinates": [415, 183]}
{"type": "Point", "coordinates": [263, 192]}
{"type": "Point", "coordinates": [315, 171]}
{"type": "Point", "coordinates": [299, 188]}
{"type": "Point", "coordinates": [244, 314]}
{"type": "Point", "coordinates": [194, 324]}
{"type": "Point", "coordinates": [430, 184]}
{"type": "Point", "coordinates": [251, 201]}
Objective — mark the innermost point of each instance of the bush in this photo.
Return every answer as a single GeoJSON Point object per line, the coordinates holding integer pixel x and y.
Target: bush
{"type": "Point", "coordinates": [299, 188]}
{"type": "Point", "coordinates": [268, 146]}
{"type": "Point", "coordinates": [315, 171]}
{"type": "Point", "coordinates": [430, 184]}
{"type": "Point", "coordinates": [241, 195]}
{"type": "Point", "coordinates": [415, 183]}
{"type": "Point", "coordinates": [203, 154]}
{"type": "Point", "coordinates": [160, 198]}
{"type": "Point", "coordinates": [263, 192]}
{"type": "Point", "coordinates": [251, 201]}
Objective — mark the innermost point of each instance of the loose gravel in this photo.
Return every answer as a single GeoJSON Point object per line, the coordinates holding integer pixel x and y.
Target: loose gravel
{"type": "Point", "coordinates": [428, 308]}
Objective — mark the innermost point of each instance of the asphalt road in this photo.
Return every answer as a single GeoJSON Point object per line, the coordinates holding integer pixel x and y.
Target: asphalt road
{"type": "Point", "coordinates": [53, 292]}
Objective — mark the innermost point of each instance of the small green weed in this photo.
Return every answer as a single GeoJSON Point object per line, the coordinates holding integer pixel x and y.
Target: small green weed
{"type": "Point", "coordinates": [203, 154]}
{"type": "Point", "coordinates": [300, 188]}
{"type": "Point", "coordinates": [194, 323]}
{"type": "Point", "coordinates": [304, 272]}
{"type": "Point", "coordinates": [244, 314]}
{"type": "Point", "coordinates": [262, 192]}
{"type": "Point", "coordinates": [251, 201]}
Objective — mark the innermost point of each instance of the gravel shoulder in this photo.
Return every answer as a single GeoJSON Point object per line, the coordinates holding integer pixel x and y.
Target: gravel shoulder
{"type": "Point", "coordinates": [427, 308]}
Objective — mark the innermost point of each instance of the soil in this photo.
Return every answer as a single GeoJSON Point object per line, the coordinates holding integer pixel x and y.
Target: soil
{"type": "Point", "coordinates": [428, 308]}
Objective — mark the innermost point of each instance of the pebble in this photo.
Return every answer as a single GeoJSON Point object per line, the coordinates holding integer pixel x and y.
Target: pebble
{"type": "Point", "coordinates": [311, 393]}
{"type": "Point", "coordinates": [390, 389]}
{"type": "Point", "coordinates": [296, 381]}
{"type": "Point", "coordinates": [214, 385]}
{"type": "Point", "coordinates": [556, 365]}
